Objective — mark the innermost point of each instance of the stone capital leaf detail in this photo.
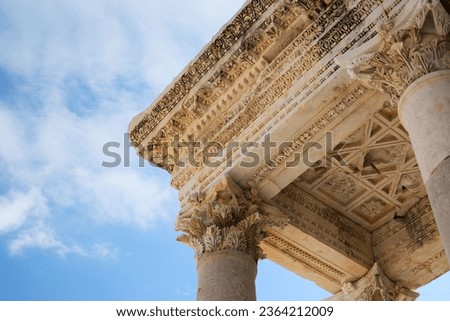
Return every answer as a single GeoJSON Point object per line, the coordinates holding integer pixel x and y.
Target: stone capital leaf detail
{"type": "Point", "coordinates": [374, 286]}
{"type": "Point", "coordinates": [378, 287]}
{"type": "Point", "coordinates": [226, 218]}
{"type": "Point", "coordinates": [419, 47]}
{"type": "Point", "coordinates": [348, 288]}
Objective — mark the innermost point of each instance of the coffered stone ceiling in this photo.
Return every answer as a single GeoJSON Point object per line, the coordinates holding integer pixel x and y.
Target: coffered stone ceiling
{"type": "Point", "coordinates": [370, 206]}
{"type": "Point", "coordinates": [377, 178]}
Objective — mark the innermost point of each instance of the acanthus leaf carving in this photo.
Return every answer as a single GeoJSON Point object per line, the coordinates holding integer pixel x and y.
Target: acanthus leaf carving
{"type": "Point", "coordinates": [348, 288]}
{"type": "Point", "coordinates": [378, 287]}
{"type": "Point", "coordinates": [227, 218]}
{"type": "Point", "coordinates": [374, 286]}
{"type": "Point", "coordinates": [419, 47]}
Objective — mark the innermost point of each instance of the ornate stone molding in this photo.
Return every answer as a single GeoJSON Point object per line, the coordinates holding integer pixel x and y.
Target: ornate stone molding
{"type": "Point", "coordinates": [310, 260]}
{"type": "Point", "coordinates": [374, 286]}
{"type": "Point", "coordinates": [325, 224]}
{"type": "Point", "coordinates": [209, 56]}
{"type": "Point", "coordinates": [207, 103]}
{"type": "Point", "coordinates": [198, 106]}
{"type": "Point", "coordinates": [226, 218]}
{"type": "Point", "coordinates": [297, 61]}
{"type": "Point", "coordinates": [408, 52]}
{"type": "Point", "coordinates": [342, 105]}
{"type": "Point", "coordinates": [236, 56]}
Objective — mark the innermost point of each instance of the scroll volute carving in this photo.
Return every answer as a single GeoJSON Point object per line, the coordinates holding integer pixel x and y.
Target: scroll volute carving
{"type": "Point", "coordinates": [381, 288]}
{"type": "Point", "coordinates": [227, 217]}
{"type": "Point", "coordinates": [374, 286]}
{"type": "Point", "coordinates": [420, 46]}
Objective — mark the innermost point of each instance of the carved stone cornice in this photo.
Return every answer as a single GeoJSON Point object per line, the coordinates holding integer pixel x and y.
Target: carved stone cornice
{"type": "Point", "coordinates": [410, 247]}
{"type": "Point", "coordinates": [408, 52]}
{"type": "Point", "coordinates": [417, 226]}
{"type": "Point", "coordinates": [226, 218]}
{"type": "Point", "coordinates": [294, 67]}
{"type": "Point", "coordinates": [374, 286]}
{"type": "Point", "coordinates": [208, 58]}
{"type": "Point", "coordinates": [226, 67]}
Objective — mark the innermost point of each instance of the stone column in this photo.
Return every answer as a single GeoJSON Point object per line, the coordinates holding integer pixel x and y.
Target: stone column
{"type": "Point", "coordinates": [424, 110]}
{"type": "Point", "coordinates": [374, 286]}
{"type": "Point", "coordinates": [225, 227]}
{"type": "Point", "coordinates": [226, 275]}
{"type": "Point", "coordinates": [413, 67]}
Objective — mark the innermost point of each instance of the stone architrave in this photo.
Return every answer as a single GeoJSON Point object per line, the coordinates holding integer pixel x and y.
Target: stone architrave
{"type": "Point", "coordinates": [225, 227]}
{"type": "Point", "coordinates": [412, 66]}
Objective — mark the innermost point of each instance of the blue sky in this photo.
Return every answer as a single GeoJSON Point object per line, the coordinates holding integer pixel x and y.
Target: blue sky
{"type": "Point", "coordinates": [72, 75]}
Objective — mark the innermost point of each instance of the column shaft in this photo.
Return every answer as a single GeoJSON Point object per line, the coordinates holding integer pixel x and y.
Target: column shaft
{"type": "Point", "coordinates": [424, 110]}
{"type": "Point", "coordinates": [227, 275]}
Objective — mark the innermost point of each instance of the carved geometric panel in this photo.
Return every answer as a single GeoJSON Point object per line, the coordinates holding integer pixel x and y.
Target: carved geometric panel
{"type": "Point", "coordinates": [342, 188]}
{"type": "Point", "coordinates": [377, 178]}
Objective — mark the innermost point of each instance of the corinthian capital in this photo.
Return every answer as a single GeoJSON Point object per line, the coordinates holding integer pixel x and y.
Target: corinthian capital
{"type": "Point", "coordinates": [374, 286]}
{"type": "Point", "coordinates": [407, 52]}
{"type": "Point", "coordinates": [226, 217]}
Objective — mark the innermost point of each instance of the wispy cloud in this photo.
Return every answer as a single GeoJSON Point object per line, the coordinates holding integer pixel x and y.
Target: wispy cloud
{"type": "Point", "coordinates": [103, 41]}
{"type": "Point", "coordinates": [18, 208]}
{"type": "Point", "coordinates": [78, 72]}
{"type": "Point", "coordinates": [54, 166]}
{"type": "Point", "coordinates": [105, 250]}
{"type": "Point", "coordinates": [81, 71]}
{"type": "Point", "coordinates": [42, 237]}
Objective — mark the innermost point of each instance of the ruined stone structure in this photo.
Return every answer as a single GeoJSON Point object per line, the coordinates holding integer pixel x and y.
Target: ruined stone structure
{"type": "Point", "coordinates": [315, 133]}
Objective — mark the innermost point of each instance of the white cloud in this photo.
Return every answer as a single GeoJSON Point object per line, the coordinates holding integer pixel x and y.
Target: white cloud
{"type": "Point", "coordinates": [17, 208]}
{"type": "Point", "coordinates": [101, 40]}
{"type": "Point", "coordinates": [123, 196]}
{"type": "Point", "coordinates": [105, 250]}
{"type": "Point", "coordinates": [12, 135]}
{"type": "Point", "coordinates": [83, 70]}
{"type": "Point", "coordinates": [42, 237]}
{"type": "Point", "coordinates": [62, 155]}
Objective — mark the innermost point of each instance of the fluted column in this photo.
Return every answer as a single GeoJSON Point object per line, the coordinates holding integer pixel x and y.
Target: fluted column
{"type": "Point", "coordinates": [224, 227]}
{"type": "Point", "coordinates": [412, 66]}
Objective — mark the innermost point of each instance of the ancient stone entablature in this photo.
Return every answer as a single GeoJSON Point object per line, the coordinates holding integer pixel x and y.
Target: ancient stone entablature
{"type": "Point", "coordinates": [220, 74]}
{"type": "Point", "coordinates": [343, 168]}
